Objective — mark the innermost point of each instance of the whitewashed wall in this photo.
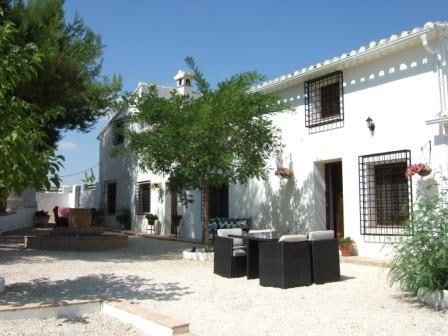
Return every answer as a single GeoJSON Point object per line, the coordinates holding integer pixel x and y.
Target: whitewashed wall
{"type": "Point", "coordinates": [399, 92]}
{"type": "Point", "coordinates": [21, 211]}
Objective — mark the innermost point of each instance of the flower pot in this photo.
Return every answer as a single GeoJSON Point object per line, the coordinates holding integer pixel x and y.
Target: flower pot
{"type": "Point", "coordinates": [424, 172]}
{"type": "Point", "coordinates": [346, 249]}
{"type": "Point", "coordinates": [41, 220]}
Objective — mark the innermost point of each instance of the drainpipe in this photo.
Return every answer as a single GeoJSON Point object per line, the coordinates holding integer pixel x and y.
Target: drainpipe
{"type": "Point", "coordinates": [439, 57]}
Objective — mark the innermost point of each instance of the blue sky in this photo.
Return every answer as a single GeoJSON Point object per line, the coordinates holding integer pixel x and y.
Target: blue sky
{"type": "Point", "coordinates": [148, 41]}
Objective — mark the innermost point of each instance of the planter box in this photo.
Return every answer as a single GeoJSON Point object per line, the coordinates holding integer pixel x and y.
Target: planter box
{"type": "Point", "coordinates": [41, 220]}
{"type": "Point", "coordinates": [198, 255]}
{"type": "Point", "coordinates": [436, 299]}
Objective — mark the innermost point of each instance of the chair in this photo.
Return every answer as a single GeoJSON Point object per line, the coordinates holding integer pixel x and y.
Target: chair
{"type": "Point", "coordinates": [285, 263]}
{"type": "Point", "coordinates": [324, 255]}
{"type": "Point", "coordinates": [230, 256]}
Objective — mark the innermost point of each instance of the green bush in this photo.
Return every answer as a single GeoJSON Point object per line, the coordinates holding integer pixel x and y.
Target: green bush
{"type": "Point", "coordinates": [421, 260]}
{"type": "Point", "coordinates": [123, 217]}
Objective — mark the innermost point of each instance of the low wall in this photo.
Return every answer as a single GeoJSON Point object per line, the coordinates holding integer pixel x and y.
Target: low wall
{"type": "Point", "coordinates": [23, 218]}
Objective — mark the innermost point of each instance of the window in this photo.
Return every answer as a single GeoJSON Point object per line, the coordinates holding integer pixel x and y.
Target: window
{"type": "Point", "coordinates": [385, 193]}
{"type": "Point", "coordinates": [324, 101]}
{"type": "Point", "coordinates": [118, 132]}
{"type": "Point", "coordinates": [143, 198]}
{"type": "Point", "coordinates": [111, 198]}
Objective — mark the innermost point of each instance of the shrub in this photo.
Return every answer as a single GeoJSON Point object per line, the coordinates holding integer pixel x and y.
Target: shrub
{"type": "Point", "coordinates": [421, 260]}
{"type": "Point", "coordinates": [123, 217]}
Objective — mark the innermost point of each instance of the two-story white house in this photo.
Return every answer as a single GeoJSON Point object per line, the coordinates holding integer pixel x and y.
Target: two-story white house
{"type": "Point", "coordinates": [359, 120]}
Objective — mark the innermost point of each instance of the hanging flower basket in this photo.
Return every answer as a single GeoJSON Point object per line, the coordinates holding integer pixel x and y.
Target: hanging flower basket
{"type": "Point", "coordinates": [421, 169]}
{"type": "Point", "coordinates": [283, 172]}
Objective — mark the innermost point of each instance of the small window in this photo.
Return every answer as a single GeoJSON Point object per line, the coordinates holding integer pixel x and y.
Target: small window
{"type": "Point", "coordinates": [143, 198]}
{"type": "Point", "coordinates": [187, 82]}
{"type": "Point", "coordinates": [324, 100]}
{"type": "Point", "coordinates": [111, 198]}
{"type": "Point", "coordinates": [118, 132]}
{"type": "Point", "coordinates": [385, 193]}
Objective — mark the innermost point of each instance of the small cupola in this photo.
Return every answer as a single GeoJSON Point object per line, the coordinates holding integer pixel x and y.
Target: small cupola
{"type": "Point", "coordinates": [184, 82]}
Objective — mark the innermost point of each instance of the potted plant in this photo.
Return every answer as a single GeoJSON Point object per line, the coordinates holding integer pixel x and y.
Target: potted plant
{"type": "Point", "coordinates": [345, 246]}
{"type": "Point", "coordinates": [151, 218]}
{"type": "Point", "coordinates": [123, 217]}
{"type": "Point", "coordinates": [283, 172]}
{"type": "Point", "coordinates": [421, 169]}
{"type": "Point", "coordinates": [41, 217]}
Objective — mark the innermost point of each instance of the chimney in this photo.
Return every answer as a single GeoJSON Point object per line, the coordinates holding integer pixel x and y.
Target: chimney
{"type": "Point", "coordinates": [184, 82]}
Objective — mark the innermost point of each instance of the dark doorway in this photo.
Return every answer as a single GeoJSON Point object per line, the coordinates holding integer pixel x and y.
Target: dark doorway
{"type": "Point", "coordinates": [219, 202]}
{"type": "Point", "coordinates": [334, 197]}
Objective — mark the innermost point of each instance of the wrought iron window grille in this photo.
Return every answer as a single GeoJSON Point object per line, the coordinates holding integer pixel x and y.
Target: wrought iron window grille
{"type": "Point", "coordinates": [324, 100]}
{"type": "Point", "coordinates": [385, 194]}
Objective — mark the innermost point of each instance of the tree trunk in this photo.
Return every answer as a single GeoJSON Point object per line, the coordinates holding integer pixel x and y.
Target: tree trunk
{"type": "Point", "coordinates": [206, 206]}
{"type": "Point", "coordinates": [3, 198]}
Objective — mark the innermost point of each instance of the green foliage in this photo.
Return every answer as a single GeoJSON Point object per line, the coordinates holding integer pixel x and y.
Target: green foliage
{"type": "Point", "coordinates": [69, 79]}
{"type": "Point", "coordinates": [25, 158]}
{"type": "Point", "coordinates": [89, 180]}
{"type": "Point", "coordinates": [422, 259]}
{"type": "Point", "coordinates": [345, 240]}
{"type": "Point", "coordinates": [123, 217]}
{"type": "Point", "coordinates": [219, 137]}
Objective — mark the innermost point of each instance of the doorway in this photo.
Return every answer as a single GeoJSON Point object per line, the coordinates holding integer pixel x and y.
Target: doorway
{"type": "Point", "coordinates": [219, 202]}
{"type": "Point", "coordinates": [334, 197]}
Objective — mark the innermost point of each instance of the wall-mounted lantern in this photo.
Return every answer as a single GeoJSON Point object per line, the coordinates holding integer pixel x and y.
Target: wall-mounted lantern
{"type": "Point", "coordinates": [370, 124]}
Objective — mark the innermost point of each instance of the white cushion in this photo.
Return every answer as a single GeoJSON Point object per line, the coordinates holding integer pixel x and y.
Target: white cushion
{"type": "Point", "coordinates": [321, 235]}
{"type": "Point", "coordinates": [292, 238]}
{"type": "Point", "coordinates": [237, 253]}
{"type": "Point", "coordinates": [234, 231]}
{"type": "Point", "coordinates": [261, 231]}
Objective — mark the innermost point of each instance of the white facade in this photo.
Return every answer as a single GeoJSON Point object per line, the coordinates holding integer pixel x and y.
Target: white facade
{"type": "Point", "coordinates": [400, 83]}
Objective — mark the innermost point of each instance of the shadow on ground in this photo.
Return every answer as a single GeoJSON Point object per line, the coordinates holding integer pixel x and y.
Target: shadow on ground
{"type": "Point", "coordinates": [102, 286]}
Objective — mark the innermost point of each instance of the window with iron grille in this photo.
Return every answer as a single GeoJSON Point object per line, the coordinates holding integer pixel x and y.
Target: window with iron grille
{"type": "Point", "coordinates": [111, 198]}
{"type": "Point", "coordinates": [143, 198]}
{"type": "Point", "coordinates": [324, 100]}
{"type": "Point", "coordinates": [385, 194]}
{"type": "Point", "coordinates": [118, 132]}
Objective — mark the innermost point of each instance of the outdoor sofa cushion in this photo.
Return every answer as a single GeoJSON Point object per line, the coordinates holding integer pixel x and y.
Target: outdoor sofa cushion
{"type": "Point", "coordinates": [292, 238]}
{"type": "Point", "coordinates": [321, 235]}
{"type": "Point", "coordinates": [236, 231]}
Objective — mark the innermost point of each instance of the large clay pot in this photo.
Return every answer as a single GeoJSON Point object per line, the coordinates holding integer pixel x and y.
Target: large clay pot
{"type": "Point", "coordinates": [346, 249]}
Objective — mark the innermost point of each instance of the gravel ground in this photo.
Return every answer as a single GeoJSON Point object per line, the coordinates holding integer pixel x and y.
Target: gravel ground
{"type": "Point", "coordinates": [91, 325]}
{"type": "Point", "coordinates": [152, 273]}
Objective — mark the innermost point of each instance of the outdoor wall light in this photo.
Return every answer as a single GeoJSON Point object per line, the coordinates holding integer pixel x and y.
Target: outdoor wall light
{"type": "Point", "coordinates": [370, 124]}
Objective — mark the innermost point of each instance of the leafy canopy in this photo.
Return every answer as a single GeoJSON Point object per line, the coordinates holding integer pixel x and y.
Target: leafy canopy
{"type": "Point", "coordinates": [213, 138]}
{"type": "Point", "coordinates": [25, 158]}
{"type": "Point", "coordinates": [69, 79]}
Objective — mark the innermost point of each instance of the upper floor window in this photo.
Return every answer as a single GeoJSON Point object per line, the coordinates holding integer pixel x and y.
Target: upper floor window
{"type": "Point", "coordinates": [324, 100]}
{"type": "Point", "coordinates": [385, 193]}
{"type": "Point", "coordinates": [118, 132]}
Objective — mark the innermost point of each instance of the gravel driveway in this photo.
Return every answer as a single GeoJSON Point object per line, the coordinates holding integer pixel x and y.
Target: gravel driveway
{"type": "Point", "coordinates": [150, 271]}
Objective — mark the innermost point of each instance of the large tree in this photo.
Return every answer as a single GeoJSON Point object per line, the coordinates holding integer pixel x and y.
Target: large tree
{"type": "Point", "coordinates": [26, 160]}
{"type": "Point", "coordinates": [69, 79]}
{"type": "Point", "coordinates": [223, 136]}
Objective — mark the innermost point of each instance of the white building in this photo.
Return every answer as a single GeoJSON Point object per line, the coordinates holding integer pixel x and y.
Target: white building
{"type": "Point", "coordinates": [359, 119]}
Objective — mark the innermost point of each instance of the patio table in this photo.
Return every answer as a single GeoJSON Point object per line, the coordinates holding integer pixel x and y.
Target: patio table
{"type": "Point", "coordinates": [252, 241]}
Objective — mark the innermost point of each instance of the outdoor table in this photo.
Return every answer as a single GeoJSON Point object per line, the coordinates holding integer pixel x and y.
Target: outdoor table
{"type": "Point", "coordinates": [251, 241]}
